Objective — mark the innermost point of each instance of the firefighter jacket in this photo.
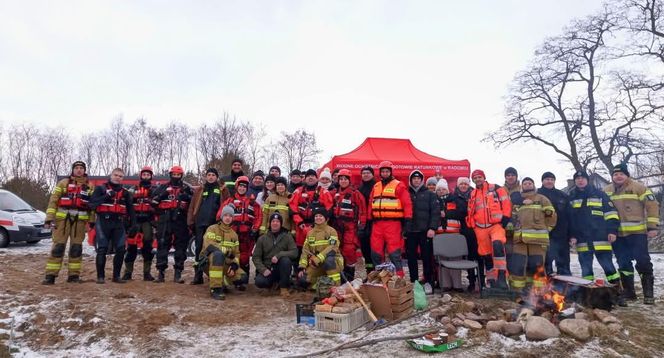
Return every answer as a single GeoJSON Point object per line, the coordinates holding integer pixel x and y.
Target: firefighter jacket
{"type": "Point", "coordinates": [280, 244]}
{"type": "Point", "coordinates": [534, 220]}
{"type": "Point", "coordinates": [276, 203]}
{"type": "Point", "coordinates": [487, 206]}
{"type": "Point", "coordinates": [205, 203]}
{"type": "Point", "coordinates": [453, 212]}
{"type": "Point", "coordinates": [349, 206]}
{"type": "Point", "coordinates": [592, 216]}
{"type": "Point", "coordinates": [222, 237]}
{"type": "Point", "coordinates": [514, 193]}
{"type": "Point", "coordinates": [560, 202]}
{"type": "Point", "coordinates": [142, 195]}
{"type": "Point", "coordinates": [426, 210]}
{"type": "Point", "coordinates": [113, 202]}
{"type": "Point", "coordinates": [321, 241]}
{"type": "Point", "coordinates": [390, 200]}
{"type": "Point", "coordinates": [637, 207]}
{"type": "Point", "coordinates": [229, 181]}
{"type": "Point", "coordinates": [172, 200]}
{"type": "Point", "coordinates": [305, 199]}
{"type": "Point", "coordinates": [70, 199]}
{"type": "Point", "coordinates": [247, 214]}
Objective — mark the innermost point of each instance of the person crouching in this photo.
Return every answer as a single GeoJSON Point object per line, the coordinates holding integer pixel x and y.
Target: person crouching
{"type": "Point", "coordinates": [221, 255]}
{"type": "Point", "coordinates": [321, 255]}
{"type": "Point", "coordinates": [273, 256]}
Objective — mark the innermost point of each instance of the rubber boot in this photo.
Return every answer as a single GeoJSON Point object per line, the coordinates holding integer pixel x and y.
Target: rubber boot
{"type": "Point", "coordinates": [217, 294]}
{"type": "Point", "coordinates": [118, 279]}
{"type": "Point", "coordinates": [49, 280]}
{"type": "Point", "coordinates": [147, 276]}
{"type": "Point", "coordinates": [74, 279]}
{"type": "Point", "coordinates": [198, 277]}
{"type": "Point", "coordinates": [129, 269]}
{"type": "Point", "coordinates": [177, 277]}
{"type": "Point", "coordinates": [501, 283]}
{"type": "Point", "coordinates": [620, 300]}
{"type": "Point", "coordinates": [160, 277]}
{"type": "Point", "coordinates": [100, 263]}
{"type": "Point", "coordinates": [648, 283]}
{"type": "Point", "coordinates": [628, 287]}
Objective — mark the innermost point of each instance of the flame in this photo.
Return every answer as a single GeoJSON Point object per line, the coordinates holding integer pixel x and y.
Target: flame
{"type": "Point", "coordinates": [542, 290]}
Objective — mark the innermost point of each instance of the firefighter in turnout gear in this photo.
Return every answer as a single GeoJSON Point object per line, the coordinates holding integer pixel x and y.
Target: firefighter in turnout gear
{"type": "Point", "coordinates": [639, 220]}
{"type": "Point", "coordinates": [277, 202]}
{"type": "Point", "coordinates": [593, 228]}
{"type": "Point", "coordinates": [302, 204]}
{"type": "Point", "coordinates": [221, 255]}
{"type": "Point", "coordinates": [391, 210]}
{"type": "Point", "coordinates": [320, 254]}
{"type": "Point", "coordinates": [349, 214]}
{"type": "Point", "coordinates": [489, 211]}
{"type": "Point", "coordinates": [535, 218]}
{"type": "Point", "coordinates": [205, 204]}
{"type": "Point", "coordinates": [172, 203]}
{"type": "Point", "coordinates": [143, 240]}
{"type": "Point", "coordinates": [236, 171]}
{"type": "Point", "coordinates": [68, 215]}
{"type": "Point", "coordinates": [114, 208]}
{"type": "Point", "coordinates": [246, 222]}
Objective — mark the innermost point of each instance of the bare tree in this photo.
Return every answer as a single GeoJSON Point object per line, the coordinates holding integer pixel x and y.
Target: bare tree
{"type": "Point", "coordinates": [299, 149]}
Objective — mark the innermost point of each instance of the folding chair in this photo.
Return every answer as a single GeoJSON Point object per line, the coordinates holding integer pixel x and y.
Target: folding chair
{"type": "Point", "coordinates": [446, 246]}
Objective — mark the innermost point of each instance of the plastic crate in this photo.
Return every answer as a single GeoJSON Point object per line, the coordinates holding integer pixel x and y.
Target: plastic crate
{"type": "Point", "coordinates": [341, 322]}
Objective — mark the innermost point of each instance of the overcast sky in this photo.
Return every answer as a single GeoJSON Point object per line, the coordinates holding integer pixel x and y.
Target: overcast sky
{"type": "Point", "coordinates": [432, 71]}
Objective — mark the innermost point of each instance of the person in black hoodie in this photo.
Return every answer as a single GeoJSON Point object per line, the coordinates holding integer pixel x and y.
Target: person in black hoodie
{"type": "Point", "coordinates": [142, 195]}
{"type": "Point", "coordinates": [368, 182]}
{"type": "Point", "coordinates": [422, 228]}
{"type": "Point", "coordinates": [236, 172]}
{"type": "Point", "coordinates": [202, 213]}
{"type": "Point", "coordinates": [113, 205]}
{"type": "Point", "coordinates": [558, 237]}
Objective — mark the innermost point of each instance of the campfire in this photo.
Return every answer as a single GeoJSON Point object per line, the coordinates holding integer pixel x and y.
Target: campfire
{"type": "Point", "coordinates": [543, 297]}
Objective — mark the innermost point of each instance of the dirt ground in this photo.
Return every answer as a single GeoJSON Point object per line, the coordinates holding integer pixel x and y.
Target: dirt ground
{"type": "Point", "coordinates": [147, 319]}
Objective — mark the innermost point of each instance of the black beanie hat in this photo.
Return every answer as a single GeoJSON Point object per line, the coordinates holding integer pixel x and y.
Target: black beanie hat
{"type": "Point", "coordinates": [311, 172]}
{"type": "Point", "coordinates": [368, 168]}
{"type": "Point", "coordinates": [321, 210]}
{"type": "Point", "coordinates": [581, 173]}
{"type": "Point", "coordinates": [548, 175]}
{"type": "Point", "coordinates": [237, 160]}
{"type": "Point", "coordinates": [528, 179]}
{"type": "Point", "coordinates": [258, 173]}
{"type": "Point", "coordinates": [277, 216]}
{"type": "Point", "coordinates": [295, 172]}
{"type": "Point", "coordinates": [271, 178]}
{"type": "Point", "coordinates": [281, 180]}
{"type": "Point", "coordinates": [213, 171]}
{"type": "Point", "coordinates": [79, 163]}
{"type": "Point", "coordinates": [622, 167]}
{"type": "Point", "coordinates": [511, 170]}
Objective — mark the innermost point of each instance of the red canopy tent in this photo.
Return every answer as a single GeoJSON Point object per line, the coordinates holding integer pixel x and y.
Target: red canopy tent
{"type": "Point", "coordinates": [405, 158]}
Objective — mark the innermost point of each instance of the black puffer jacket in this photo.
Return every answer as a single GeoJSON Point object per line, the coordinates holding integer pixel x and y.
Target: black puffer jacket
{"type": "Point", "coordinates": [426, 210]}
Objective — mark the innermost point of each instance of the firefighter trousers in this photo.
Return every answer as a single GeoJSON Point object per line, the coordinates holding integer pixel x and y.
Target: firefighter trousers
{"type": "Point", "coordinates": [491, 241]}
{"type": "Point", "coordinates": [110, 233]}
{"type": "Point", "coordinates": [526, 259]}
{"type": "Point", "coordinates": [602, 251]}
{"type": "Point", "coordinates": [74, 232]}
{"type": "Point", "coordinates": [331, 268]}
{"type": "Point", "coordinates": [172, 234]}
{"type": "Point", "coordinates": [217, 270]}
{"type": "Point", "coordinates": [386, 235]}
{"type": "Point", "coordinates": [633, 248]}
{"type": "Point", "coordinates": [147, 230]}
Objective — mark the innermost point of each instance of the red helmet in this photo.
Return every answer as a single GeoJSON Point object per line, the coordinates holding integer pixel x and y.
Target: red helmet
{"type": "Point", "coordinates": [176, 169]}
{"type": "Point", "coordinates": [241, 179]}
{"type": "Point", "coordinates": [148, 169]}
{"type": "Point", "coordinates": [385, 164]}
{"type": "Point", "coordinates": [344, 173]}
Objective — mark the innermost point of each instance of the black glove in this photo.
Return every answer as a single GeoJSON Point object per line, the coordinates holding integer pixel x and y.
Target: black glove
{"type": "Point", "coordinates": [361, 233]}
{"type": "Point", "coordinates": [234, 266]}
{"type": "Point", "coordinates": [210, 249]}
{"type": "Point", "coordinates": [133, 230]}
{"type": "Point", "coordinates": [406, 227]}
{"type": "Point", "coordinates": [253, 234]}
{"type": "Point", "coordinates": [91, 225]}
{"type": "Point", "coordinates": [504, 221]}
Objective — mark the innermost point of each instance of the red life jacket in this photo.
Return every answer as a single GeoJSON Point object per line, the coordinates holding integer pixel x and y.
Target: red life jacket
{"type": "Point", "coordinates": [244, 217]}
{"type": "Point", "coordinates": [117, 206]}
{"type": "Point", "coordinates": [172, 202]}
{"type": "Point", "coordinates": [309, 200]}
{"type": "Point", "coordinates": [76, 197]}
{"type": "Point", "coordinates": [142, 200]}
{"type": "Point", "coordinates": [345, 208]}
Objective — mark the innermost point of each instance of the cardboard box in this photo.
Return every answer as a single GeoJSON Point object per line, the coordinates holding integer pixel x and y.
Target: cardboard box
{"type": "Point", "coordinates": [387, 306]}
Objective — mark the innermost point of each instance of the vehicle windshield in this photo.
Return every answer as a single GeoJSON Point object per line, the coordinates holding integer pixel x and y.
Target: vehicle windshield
{"type": "Point", "coordinates": [11, 202]}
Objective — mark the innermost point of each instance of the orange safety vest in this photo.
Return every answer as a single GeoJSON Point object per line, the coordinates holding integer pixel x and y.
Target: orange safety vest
{"type": "Point", "coordinates": [386, 204]}
{"type": "Point", "coordinates": [75, 197]}
{"type": "Point", "coordinates": [116, 207]}
{"type": "Point", "coordinates": [486, 209]}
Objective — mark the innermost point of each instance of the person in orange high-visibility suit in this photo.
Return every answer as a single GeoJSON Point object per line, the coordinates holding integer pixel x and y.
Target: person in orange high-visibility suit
{"type": "Point", "coordinates": [489, 212]}
{"type": "Point", "coordinates": [390, 205]}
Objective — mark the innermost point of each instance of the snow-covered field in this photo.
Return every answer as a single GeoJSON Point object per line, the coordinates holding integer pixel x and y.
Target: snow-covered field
{"type": "Point", "coordinates": [147, 319]}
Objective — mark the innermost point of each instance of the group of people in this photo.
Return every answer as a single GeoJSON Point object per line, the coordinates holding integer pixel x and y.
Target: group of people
{"type": "Point", "coordinates": [313, 228]}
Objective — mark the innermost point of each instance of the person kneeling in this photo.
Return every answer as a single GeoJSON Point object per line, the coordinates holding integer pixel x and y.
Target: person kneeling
{"type": "Point", "coordinates": [320, 254]}
{"type": "Point", "coordinates": [273, 256]}
{"type": "Point", "coordinates": [221, 255]}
